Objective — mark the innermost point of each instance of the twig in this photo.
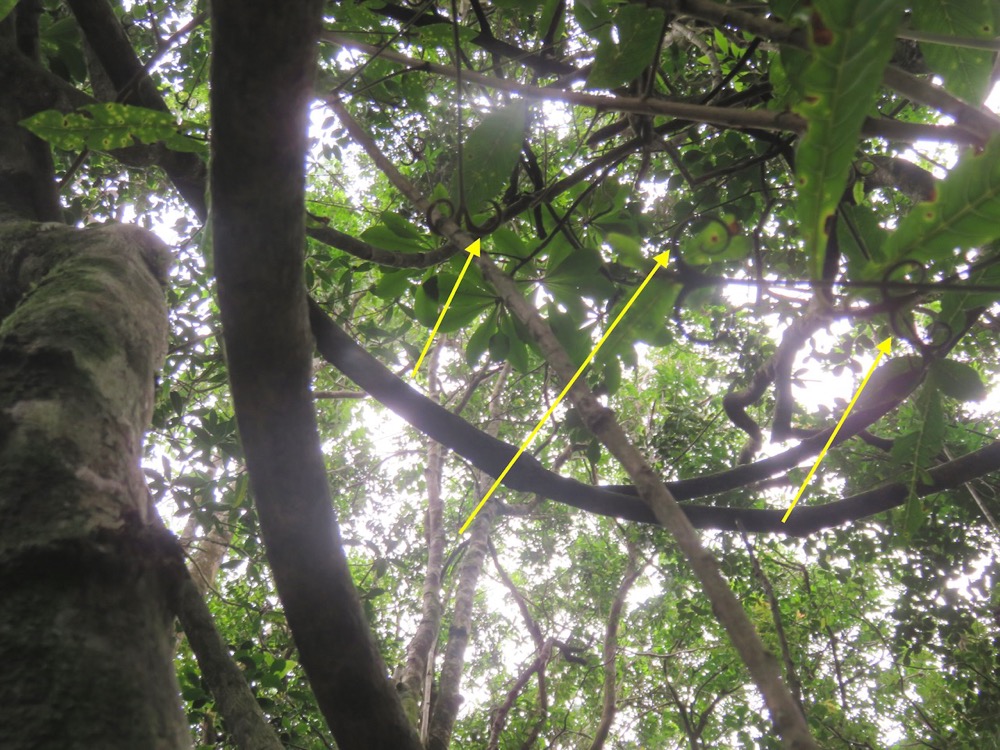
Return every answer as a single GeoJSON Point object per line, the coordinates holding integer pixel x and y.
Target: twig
{"type": "Point", "coordinates": [980, 122]}
{"type": "Point", "coordinates": [789, 722]}
{"type": "Point", "coordinates": [932, 37]}
{"type": "Point", "coordinates": [712, 115]}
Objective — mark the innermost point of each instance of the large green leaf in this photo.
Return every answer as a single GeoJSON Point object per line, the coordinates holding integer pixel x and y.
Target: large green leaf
{"type": "Point", "coordinates": [957, 380]}
{"type": "Point", "coordinates": [617, 63]}
{"type": "Point", "coordinates": [469, 301]}
{"type": "Point", "coordinates": [104, 127]}
{"type": "Point", "coordinates": [387, 238]}
{"type": "Point", "coordinates": [966, 72]}
{"type": "Point", "coordinates": [580, 273]}
{"type": "Point", "coordinates": [593, 17]}
{"type": "Point", "coordinates": [480, 339]}
{"type": "Point", "coordinates": [574, 339]}
{"type": "Point", "coordinates": [490, 154]}
{"type": "Point", "coordinates": [965, 212]}
{"type": "Point", "coordinates": [850, 43]}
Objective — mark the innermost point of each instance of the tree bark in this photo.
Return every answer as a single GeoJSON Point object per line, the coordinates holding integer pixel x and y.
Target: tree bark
{"type": "Point", "coordinates": [260, 95]}
{"type": "Point", "coordinates": [86, 626]}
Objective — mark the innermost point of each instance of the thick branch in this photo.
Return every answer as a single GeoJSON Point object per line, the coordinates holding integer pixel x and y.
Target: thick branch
{"type": "Point", "coordinates": [260, 94]}
{"type": "Point", "coordinates": [365, 251]}
{"type": "Point", "coordinates": [449, 699]}
{"type": "Point", "coordinates": [442, 720]}
{"type": "Point", "coordinates": [237, 705]}
{"type": "Point", "coordinates": [788, 719]}
{"type": "Point", "coordinates": [620, 501]}
{"type": "Point", "coordinates": [84, 594]}
{"type": "Point", "coordinates": [107, 38]}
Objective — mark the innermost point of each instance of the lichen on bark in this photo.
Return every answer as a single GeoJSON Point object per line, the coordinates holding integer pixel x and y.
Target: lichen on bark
{"type": "Point", "coordinates": [86, 624]}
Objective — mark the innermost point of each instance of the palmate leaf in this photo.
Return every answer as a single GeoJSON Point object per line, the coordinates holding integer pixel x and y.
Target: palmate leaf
{"type": "Point", "coordinates": [965, 212]}
{"type": "Point", "coordinates": [966, 72]}
{"type": "Point", "coordinates": [850, 43]}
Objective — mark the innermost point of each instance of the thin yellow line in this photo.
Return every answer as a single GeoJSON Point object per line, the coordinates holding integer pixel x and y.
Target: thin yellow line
{"type": "Point", "coordinates": [472, 250]}
{"type": "Point", "coordinates": [661, 260]}
{"type": "Point", "coordinates": [883, 349]}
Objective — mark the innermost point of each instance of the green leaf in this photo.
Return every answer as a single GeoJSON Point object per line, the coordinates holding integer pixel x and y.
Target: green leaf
{"type": "Point", "coordinates": [580, 274]}
{"type": "Point", "coordinates": [986, 276]}
{"type": "Point", "coordinates": [786, 9]}
{"type": "Point", "coordinates": [966, 72]}
{"type": "Point", "coordinates": [6, 6]}
{"type": "Point", "coordinates": [425, 308]}
{"type": "Point", "coordinates": [850, 43]}
{"type": "Point", "coordinates": [913, 514]}
{"type": "Point", "coordinates": [917, 449]}
{"type": "Point", "coordinates": [648, 318]}
{"type": "Point", "coordinates": [490, 154]}
{"type": "Point", "coordinates": [517, 352]}
{"type": "Point", "coordinates": [628, 249]}
{"type": "Point", "coordinates": [553, 11]}
{"type": "Point", "coordinates": [524, 6]}
{"type": "Point", "coordinates": [499, 346]}
{"type": "Point", "coordinates": [955, 305]}
{"type": "Point", "coordinates": [60, 43]}
{"type": "Point", "coordinates": [463, 311]}
{"type": "Point", "coordinates": [392, 284]}
{"type": "Point", "coordinates": [104, 127]}
{"type": "Point", "coordinates": [442, 35]}
{"type": "Point", "coordinates": [479, 340]}
{"type": "Point", "coordinates": [400, 226]}
{"type": "Point", "coordinates": [469, 302]}
{"type": "Point", "coordinates": [957, 380]}
{"type": "Point", "coordinates": [861, 237]}
{"type": "Point", "coordinates": [575, 341]}
{"type": "Point", "coordinates": [611, 375]}
{"type": "Point", "coordinates": [615, 64]}
{"type": "Point", "coordinates": [593, 17]}
{"type": "Point", "coordinates": [506, 242]}
{"type": "Point", "coordinates": [965, 212]}
{"type": "Point", "coordinates": [384, 237]}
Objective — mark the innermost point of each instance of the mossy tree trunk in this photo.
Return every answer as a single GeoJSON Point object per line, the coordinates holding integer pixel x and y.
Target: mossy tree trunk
{"type": "Point", "coordinates": [86, 624]}
{"type": "Point", "coordinates": [86, 614]}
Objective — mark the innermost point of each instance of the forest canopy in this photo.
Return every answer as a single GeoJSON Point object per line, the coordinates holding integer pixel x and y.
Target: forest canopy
{"type": "Point", "coordinates": [779, 206]}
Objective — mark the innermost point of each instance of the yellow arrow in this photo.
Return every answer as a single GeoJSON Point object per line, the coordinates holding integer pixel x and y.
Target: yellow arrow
{"type": "Point", "coordinates": [883, 348]}
{"type": "Point", "coordinates": [661, 260]}
{"type": "Point", "coordinates": [473, 251]}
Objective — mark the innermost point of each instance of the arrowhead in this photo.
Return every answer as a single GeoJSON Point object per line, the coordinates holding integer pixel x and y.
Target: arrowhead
{"type": "Point", "coordinates": [885, 346]}
{"type": "Point", "coordinates": [473, 249]}
{"type": "Point", "coordinates": [662, 258]}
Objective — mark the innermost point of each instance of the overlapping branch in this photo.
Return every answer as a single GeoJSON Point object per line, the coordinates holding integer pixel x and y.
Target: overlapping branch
{"type": "Point", "coordinates": [788, 719]}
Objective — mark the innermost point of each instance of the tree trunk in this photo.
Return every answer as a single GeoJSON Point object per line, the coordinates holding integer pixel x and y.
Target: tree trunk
{"type": "Point", "coordinates": [86, 621]}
